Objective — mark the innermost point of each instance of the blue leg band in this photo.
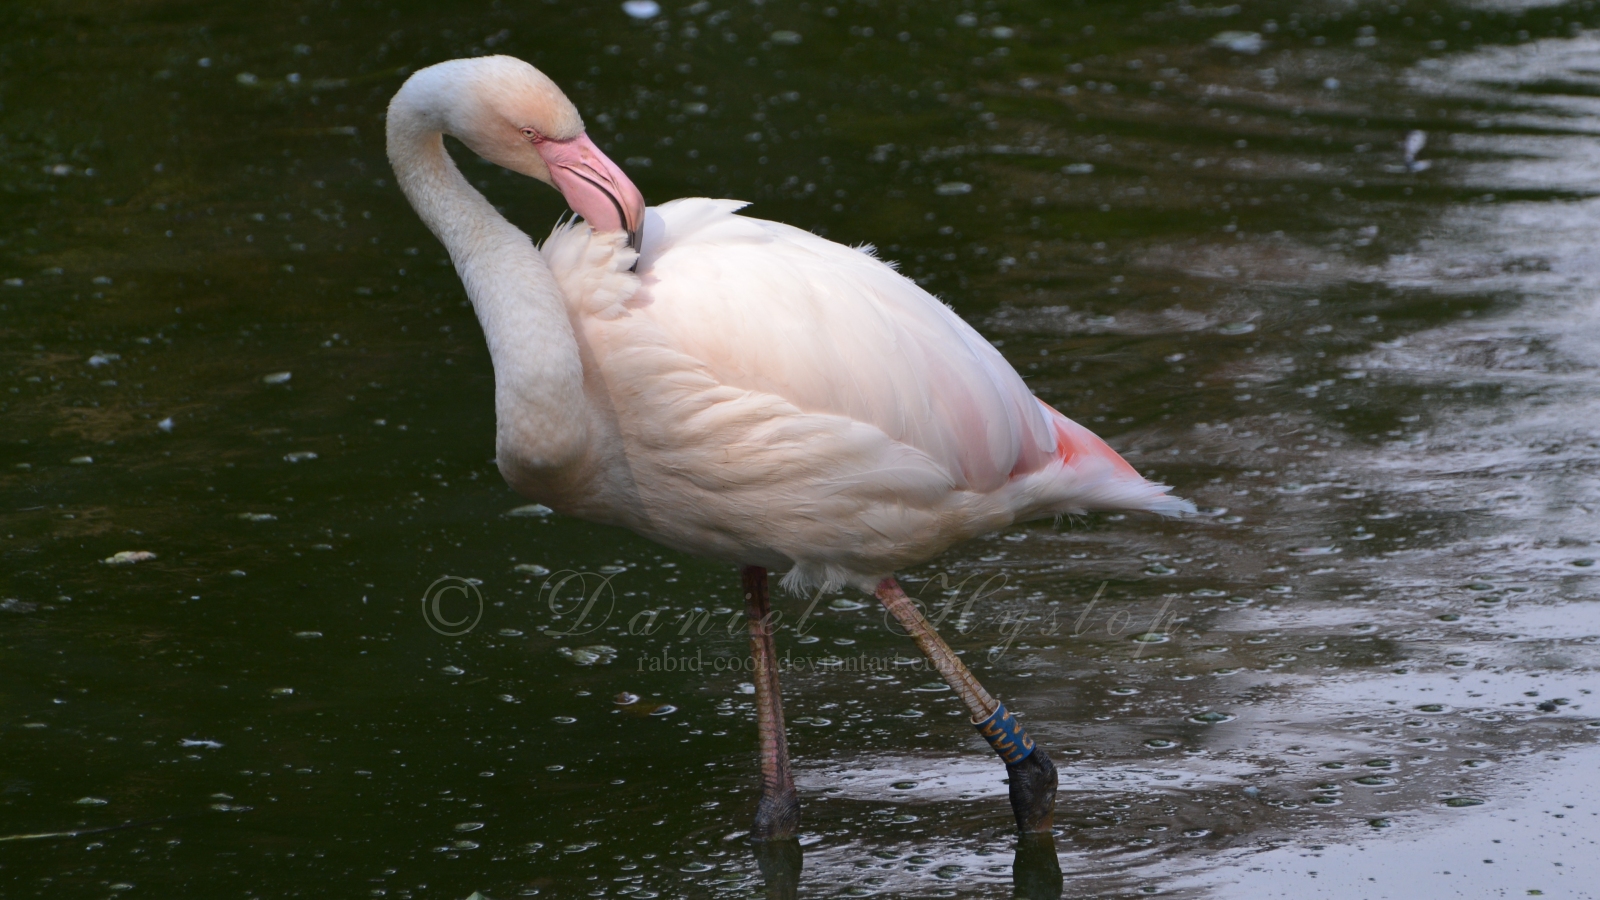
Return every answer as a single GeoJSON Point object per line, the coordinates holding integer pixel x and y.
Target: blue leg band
{"type": "Point", "coordinates": [1005, 734]}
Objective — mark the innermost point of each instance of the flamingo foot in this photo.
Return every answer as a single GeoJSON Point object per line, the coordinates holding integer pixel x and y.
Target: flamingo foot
{"type": "Point", "coordinates": [1032, 785]}
{"type": "Point", "coordinates": [777, 817]}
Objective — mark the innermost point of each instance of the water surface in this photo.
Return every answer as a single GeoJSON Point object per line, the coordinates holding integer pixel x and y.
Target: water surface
{"type": "Point", "coordinates": [1368, 666]}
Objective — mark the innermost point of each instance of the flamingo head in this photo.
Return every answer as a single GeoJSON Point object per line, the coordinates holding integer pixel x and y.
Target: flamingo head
{"type": "Point", "coordinates": [513, 115]}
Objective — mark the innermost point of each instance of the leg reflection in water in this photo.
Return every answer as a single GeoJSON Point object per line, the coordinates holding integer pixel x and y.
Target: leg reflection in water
{"type": "Point", "coordinates": [1036, 872]}
{"type": "Point", "coordinates": [780, 867]}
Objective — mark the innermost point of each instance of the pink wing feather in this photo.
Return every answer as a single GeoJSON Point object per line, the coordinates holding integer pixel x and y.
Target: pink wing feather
{"type": "Point", "coordinates": [768, 307]}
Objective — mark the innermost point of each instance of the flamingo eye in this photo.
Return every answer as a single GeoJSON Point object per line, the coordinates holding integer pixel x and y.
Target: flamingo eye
{"type": "Point", "coordinates": [533, 135]}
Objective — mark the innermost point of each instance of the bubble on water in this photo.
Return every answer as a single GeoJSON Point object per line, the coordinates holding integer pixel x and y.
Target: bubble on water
{"type": "Point", "coordinates": [1160, 744]}
{"type": "Point", "coordinates": [563, 720]}
{"type": "Point", "coordinates": [1151, 637]}
{"type": "Point", "coordinates": [592, 655]}
{"type": "Point", "coordinates": [300, 456]}
{"type": "Point", "coordinates": [642, 9]}
{"type": "Point", "coordinates": [453, 670]}
{"type": "Point", "coordinates": [786, 38]}
{"type": "Point", "coordinates": [282, 692]}
{"type": "Point", "coordinates": [91, 801]}
{"type": "Point", "coordinates": [1374, 780]}
{"type": "Point", "coordinates": [1433, 708]}
{"type": "Point", "coordinates": [1212, 718]}
{"type": "Point", "coordinates": [308, 634]}
{"type": "Point", "coordinates": [128, 557]}
{"type": "Point", "coordinates": [1237, 328]}
{"type": "Point", "coordinates": [844, 605]}
{"type": "Point", "coordinates": [932, 687]}
{"type": "Point", "coordinates": [277, 378]}
{"type": "Point", "coordinates": [665, 709]}
{"type": "Point", "coordinates": [1459, 802]}
{"type": "Point", "coordinates": [1124, 691]}
{"type": "Point", "coordinates": [258, 517]}
{"type": "Point", "coordinates": [1380, 823]}
{"type": "Point", "coordinates": [953, 189]}
{"type": "Point", "coordinates": [468, 826]}
{"type": "Point", "coordinates": [81, 461]}
{"type": "Point", "coordinates": [530, 569]}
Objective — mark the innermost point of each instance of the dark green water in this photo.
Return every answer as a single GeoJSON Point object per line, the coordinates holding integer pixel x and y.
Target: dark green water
{"type": "Point", "coordinates": [1378, 380]}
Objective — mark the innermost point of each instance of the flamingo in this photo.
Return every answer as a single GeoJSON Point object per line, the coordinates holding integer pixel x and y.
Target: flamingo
{"type": "Point", "coordinates": [741, 390]}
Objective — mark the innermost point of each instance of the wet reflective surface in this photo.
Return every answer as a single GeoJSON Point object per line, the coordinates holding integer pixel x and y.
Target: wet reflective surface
{"type": "Point", "coordinates": [1329, 270]}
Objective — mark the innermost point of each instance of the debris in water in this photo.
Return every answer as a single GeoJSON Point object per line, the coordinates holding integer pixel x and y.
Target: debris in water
{"type": "Point", "coordinates": [1239, 42]}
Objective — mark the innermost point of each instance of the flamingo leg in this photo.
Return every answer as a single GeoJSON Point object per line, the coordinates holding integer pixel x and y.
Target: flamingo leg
{"type": "Point", "coordinates": [778, 811]}
{"type": "Point", "coordinates": [1032, 780]}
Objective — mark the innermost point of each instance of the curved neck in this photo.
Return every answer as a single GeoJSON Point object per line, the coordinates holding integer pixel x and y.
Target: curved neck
{"type": "Point", "coordinates": [541, 413]}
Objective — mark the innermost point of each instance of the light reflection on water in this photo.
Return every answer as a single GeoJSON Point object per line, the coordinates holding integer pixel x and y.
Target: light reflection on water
{"type": "Point", "coordinates": [1377, 381]}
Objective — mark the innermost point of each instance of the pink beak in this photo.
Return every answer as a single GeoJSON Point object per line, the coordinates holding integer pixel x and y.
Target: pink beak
{"type": "Point", "coordinates": [594, 187]}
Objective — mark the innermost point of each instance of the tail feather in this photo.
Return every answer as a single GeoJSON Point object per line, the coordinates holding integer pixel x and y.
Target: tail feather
{"type": "Point", "coordinates": [1090, 475]}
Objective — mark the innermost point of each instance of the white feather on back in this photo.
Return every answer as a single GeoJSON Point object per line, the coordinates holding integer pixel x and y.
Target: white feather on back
{"type": "Point", "coordinates": [771, 308]}
{"type": "Point", "coordinates": [791, 400]}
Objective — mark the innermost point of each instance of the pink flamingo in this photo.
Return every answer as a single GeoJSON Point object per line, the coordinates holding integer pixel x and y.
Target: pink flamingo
{"type": "Point", "coordinates": [740, 390]}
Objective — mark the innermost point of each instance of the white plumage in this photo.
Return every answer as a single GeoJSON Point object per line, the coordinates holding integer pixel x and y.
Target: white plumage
{"type": "Point", "coordinates": [784, 401]}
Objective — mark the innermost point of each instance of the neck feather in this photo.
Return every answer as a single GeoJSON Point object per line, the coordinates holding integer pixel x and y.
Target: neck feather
{"type": "Point", "coordinates": [541, 413]}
